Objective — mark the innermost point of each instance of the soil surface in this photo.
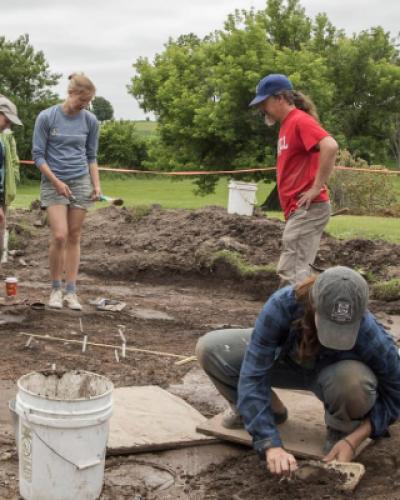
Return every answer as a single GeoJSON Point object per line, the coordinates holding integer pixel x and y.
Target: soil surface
{"type": "Point", "coordinates": [159, 262]}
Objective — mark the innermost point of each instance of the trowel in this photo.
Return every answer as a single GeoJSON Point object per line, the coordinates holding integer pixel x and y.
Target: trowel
{"type": "Point", "coordinates": [350, 472]}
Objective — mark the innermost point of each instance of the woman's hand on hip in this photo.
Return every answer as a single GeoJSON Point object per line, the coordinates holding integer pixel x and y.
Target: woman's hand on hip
{"type": "Point", "coordinates": [280, 462]}
{"type": "Point", "coordinates": [62, 189]}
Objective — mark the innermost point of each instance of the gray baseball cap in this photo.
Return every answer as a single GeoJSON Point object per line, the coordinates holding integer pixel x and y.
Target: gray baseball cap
{"type": "Point", "coordinates": [9, 109]}
{"type": "Point", "coordinates": [340, 297]}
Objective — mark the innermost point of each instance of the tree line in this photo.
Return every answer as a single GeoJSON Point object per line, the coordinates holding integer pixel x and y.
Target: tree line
{"type": "Point", "coordinates": [199, 90]}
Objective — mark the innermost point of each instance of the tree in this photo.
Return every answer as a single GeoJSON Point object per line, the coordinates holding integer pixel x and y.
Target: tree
{"type": "Point", "coordinates": [26, 79]}
{"type": "Point", "coordinates": [199, 89]}
{"type": "Point", "coordinates": [120, 145]}
{"type": "Point", "coordinates": [102, 109]}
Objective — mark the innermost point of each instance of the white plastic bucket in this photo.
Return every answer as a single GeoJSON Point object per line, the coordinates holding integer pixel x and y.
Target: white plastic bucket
{"type": "Point", "coordinates": [62, 434]}
{"type": "Point", "coordinates": [242, 197]}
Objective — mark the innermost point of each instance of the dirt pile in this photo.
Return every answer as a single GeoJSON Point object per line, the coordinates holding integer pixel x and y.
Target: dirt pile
{"type": "Point", "coordinates": [200, 245]}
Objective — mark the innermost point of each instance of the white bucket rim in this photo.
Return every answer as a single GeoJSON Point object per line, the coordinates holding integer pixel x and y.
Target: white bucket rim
{"type": "Point", "coordinates": [249, 186]}
{"type": "Point", "coordinates": [47, 398]}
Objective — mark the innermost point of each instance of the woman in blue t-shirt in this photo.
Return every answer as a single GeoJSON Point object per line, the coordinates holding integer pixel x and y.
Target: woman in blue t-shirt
{"type": "Point", "coordinates": [65, 142]}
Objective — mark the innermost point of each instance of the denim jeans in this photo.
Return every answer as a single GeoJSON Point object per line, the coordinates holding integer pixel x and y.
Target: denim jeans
{"type": "Point", "coordinates": [347, 388]}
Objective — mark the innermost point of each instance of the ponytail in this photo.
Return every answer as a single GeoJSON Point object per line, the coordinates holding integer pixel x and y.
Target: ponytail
{"type": "Point", "coordinates": [308, 343]}
{"type": "Point", "coordinates": [301, 101]}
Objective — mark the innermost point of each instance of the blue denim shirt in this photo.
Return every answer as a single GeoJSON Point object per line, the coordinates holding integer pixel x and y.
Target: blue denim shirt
{"type": "Point", "coordinates": [274, 334]}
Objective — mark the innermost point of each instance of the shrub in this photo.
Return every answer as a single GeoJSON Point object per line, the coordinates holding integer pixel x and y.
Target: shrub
{"type": "Point", "coordinates": [363, 193]}
{"type": "Point", "coordinates": [121, 145]}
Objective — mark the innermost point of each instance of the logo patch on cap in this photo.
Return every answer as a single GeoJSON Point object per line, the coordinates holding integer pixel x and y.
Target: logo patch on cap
{"type": "Point", "coordinates": [342, 312]}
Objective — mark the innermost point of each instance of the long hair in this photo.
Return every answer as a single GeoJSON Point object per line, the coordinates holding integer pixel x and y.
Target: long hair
{"type": "Point", "coordinates": [301, 101]}
{"type": "Point", "coordinates": [308, 344]}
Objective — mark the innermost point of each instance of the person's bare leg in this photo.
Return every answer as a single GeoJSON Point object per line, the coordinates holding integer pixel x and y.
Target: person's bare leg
{"type": "Point", "coordinates": [2, 229]}
{"type": "Point", "coordinates": [57, 217]}
{"type": "Point", "coordinates": [76, 216]}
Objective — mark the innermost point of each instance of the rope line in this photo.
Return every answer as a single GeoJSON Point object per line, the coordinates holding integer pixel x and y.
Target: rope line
{"type": "Point", "coordinates": [218, 172]}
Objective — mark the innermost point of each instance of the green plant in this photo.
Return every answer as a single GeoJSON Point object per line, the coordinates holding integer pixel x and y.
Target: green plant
{"type": "Point", "coordinates": [387, 290]}
{"type": "Point", "coordinates": [238, 264]}
{"type": "Point", "coordinates": [361, 192]}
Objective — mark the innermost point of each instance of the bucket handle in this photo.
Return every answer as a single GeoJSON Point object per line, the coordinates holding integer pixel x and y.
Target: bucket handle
{"type": "Point", "coordinates": [84, 466]}
{"type": "Point", "coordinates": [246, 200]}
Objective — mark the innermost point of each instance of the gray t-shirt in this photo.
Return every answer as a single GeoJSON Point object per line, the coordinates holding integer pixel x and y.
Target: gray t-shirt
{"type": "Point", "coordinates": [68, 144]}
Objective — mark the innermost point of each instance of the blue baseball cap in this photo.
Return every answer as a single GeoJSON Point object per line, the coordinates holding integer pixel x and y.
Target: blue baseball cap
{"type": "Point", "coordinates": [270, 85]}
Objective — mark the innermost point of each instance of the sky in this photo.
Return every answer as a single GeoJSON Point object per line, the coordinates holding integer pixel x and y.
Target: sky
{"type": "Point", "coordinates": [103, 39]}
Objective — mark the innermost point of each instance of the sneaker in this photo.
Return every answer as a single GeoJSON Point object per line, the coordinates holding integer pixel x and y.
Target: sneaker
{"type": "Point", "coordinates": [72, 302]}
{"type": "Point", "coordinates": [332, 437]}
{"type": "Point", "coordinates": [56, 301]}
{"type": "Point", "coordinates": [233, 420]}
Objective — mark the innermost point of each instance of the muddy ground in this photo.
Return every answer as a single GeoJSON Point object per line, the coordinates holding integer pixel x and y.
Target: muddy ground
{"type": "Point", "coordinates": [162, 264]}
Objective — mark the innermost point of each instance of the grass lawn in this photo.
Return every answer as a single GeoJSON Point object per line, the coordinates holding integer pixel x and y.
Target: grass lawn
{"type": "Point", "coordinates": [146, 128]}
{"type": "Point", "coordinates": [179, 194]}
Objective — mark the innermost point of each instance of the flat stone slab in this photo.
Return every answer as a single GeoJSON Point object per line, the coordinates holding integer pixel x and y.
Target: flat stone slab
{"type": "Point", "coordinates": [149, 418]}
{"type": "Point", "coordinates": [150, 314]}
{"type": "Point", "coordinates": [303, 434]}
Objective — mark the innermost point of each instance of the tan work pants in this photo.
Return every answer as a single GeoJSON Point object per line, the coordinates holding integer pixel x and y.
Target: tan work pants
{"type": "Point", "coordinates": [300, 242]}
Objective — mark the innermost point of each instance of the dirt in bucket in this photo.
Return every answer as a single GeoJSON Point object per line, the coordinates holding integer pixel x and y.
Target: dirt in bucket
{"type": "Point", "coordinates": [65, 385]}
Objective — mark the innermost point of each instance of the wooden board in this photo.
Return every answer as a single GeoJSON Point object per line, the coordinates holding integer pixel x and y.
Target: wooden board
{"type": "Point", "coordinates": [303, 434]}
{"type": "Point", "coordinates": [149, 418]}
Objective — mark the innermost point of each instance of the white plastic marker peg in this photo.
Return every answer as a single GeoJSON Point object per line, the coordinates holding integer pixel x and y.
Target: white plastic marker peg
{"type": "Point", "coordinates": [116, 355]}
{"type": "Point", "coordinates": [84, 343]}
{"type": "Point", "coordinates": [122, 335]}
{"type": "Point", "coordinates": [123, 353]}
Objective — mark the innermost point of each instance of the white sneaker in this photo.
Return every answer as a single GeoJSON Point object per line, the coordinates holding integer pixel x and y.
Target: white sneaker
{"type": "Point", "coordinates": [55, 301]}
{"type": "Point", "coordinates": [71, 300]}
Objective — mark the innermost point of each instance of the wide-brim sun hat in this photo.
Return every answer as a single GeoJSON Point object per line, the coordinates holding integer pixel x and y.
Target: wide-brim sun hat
{"type": "Point", "coordinates": [9, 110]}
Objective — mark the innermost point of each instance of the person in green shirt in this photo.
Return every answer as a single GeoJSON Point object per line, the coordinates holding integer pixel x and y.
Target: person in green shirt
{"type": "Point", "coordinates": [9, 162]}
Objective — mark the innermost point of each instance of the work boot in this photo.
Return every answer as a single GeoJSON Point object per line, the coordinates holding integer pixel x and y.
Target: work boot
{"type": "Point", "coordinates": [72, 302]}
{"type": "Point", "coordinates": [332, 437]}
{"type": "Point", "coordinates": [56, 299]}
{"type": "Point", "coordinates": [233, 420]}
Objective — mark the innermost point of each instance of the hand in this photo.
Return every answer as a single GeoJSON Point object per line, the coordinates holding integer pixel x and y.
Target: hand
{"type": "Point", "coordinates": [62, 189]}
{"type": "Point", "coordinates": [96, 193]}
{"type": "Point", "coordinates": [280, 462]}
{"type": "Point", "coordinates": [341, 451]}
{"type": "Point", "coordinates": [307, 197]}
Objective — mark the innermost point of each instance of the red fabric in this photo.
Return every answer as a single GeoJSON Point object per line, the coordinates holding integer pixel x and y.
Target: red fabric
{"type": "Point", "coordinates": [298, 159]}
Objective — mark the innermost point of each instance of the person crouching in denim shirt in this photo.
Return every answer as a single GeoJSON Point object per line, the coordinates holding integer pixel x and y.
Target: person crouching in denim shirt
{"type": "Point", "coordinates": [316, 336]}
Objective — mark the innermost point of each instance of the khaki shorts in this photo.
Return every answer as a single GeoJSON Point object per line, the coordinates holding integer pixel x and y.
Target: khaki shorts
{"type": "Point", "coordinates": [81, 188]}
{"type": "Point", "coordinates": [300, 242]}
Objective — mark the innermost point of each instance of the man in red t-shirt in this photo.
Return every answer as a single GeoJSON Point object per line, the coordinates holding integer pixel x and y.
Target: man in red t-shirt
{"type": "Point", "coordinates": [306, 157]}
